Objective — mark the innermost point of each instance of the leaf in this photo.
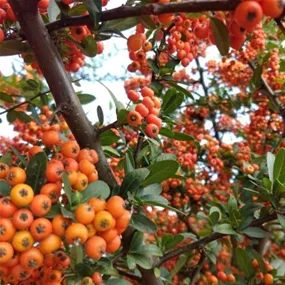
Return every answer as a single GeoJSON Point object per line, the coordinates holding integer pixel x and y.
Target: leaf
{"type": "Point", "coordinates": [281, 219]}
{"type": "Point", "coordinates": [108, 137]}
{"type": "Point", "coordinates": [179, 264]}
{"type": "Point", "coordinates": [180, 89]}
{"type": "Point", "coordinates": [279, 166]}
{"type": "Point", "coordinates": [12, 115]}
{"type": "Point", "coordinates": [54, 211]}
{"type": "Point", "coordinates": [5, 188]}
{"type": "Point", "coordinates": [244, 262]}
{"type": "Point", "coordinates": [257, 256]}
{"type": "Point", "coordinates": [118, 104]}
{"type": "Point", "coordinates": [94, 8]}
{"type": "Point", "coordinates": [129, 163]}
{"type": "Point", "coordinates": [12, 47]}
{"type": "Point", "coordinates": [255, 81]}
{"type": "Point", "coordinates": [117, 281]}
{"type": "Point", "coordinates": [254, 232]}
{"type": "Point", "coordinates": [215, 215]}
{"type": "Point", "coordinates": [161, 171]}
{"type": "Point", "coordinates": [98, 189]}
{"type": "Point", "coordinates": [137, 241]}
{"type": "Point", "coordinates": [19, 155]}
{"type": "Point", "coordinates": [6, 97]}
{"type": "Point", "coordinates": [6, 158]}
{"type": "Point", "coordinates": [175, 135]}
{"type": "Point", "coordinates": [110, 151]}
{"type": "Point", "coordinates": [67, 214]}
{"type": "Point", "coordinates": [133, 180]}
{"type": "Point", "coordinates": [172, 102]}
{"type": "Point", "coordinates": [89, 46]}
{"type": "Point", "coordinates": [142, 260]}
{"type": "Point", "coordinates": [82, 270]}
{"type": "Point", "coordinates": [36, 171]}
{"type": "Point", "coordinates": [131, 262]}
{"type": "Point", "coordinates": [225, 229]}
{"type": "Point", "coordinates": [67, 188]}
{"type": "Point", "coordinates": [35, 115]}
{"type": "Point", "coordinates": [85, 98]}
{"type": "Point", "coordinates": [221, 35]}
{"type": "Point", "coordinates": [170, 241]}
{"type": "Point", "coordinates": [143, 224]}
{"type": "Point", "coordinates": [100, 115]}
{"type": "Point", "coordinates": [120, 25]}
{"type": "Point", "coordinates": [148, 22]}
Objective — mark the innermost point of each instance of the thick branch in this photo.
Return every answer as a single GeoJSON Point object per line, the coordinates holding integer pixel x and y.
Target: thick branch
{"type": "Point", "coordinates": [52, 67]}
{"type": "Point", "coordinates": [201, 242]}
{"type": "Point", "coordinates": [123, 12]}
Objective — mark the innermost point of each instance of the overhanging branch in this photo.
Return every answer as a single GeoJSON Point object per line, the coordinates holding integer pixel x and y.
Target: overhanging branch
{"type": "Point", "coordinates": [191, 6]}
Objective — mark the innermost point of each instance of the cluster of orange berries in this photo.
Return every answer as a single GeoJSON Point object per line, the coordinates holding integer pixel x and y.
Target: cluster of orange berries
{"type": "Point", "coordinates": [147, 109]}
{"type": "Point", "coordinates": [31, 244]}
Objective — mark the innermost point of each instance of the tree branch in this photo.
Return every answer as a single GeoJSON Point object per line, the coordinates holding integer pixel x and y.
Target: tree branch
{"type": "Point", "coordinates": [124, 11]}
{"type": "Point", "coordinates": [52, 67]}
{"type": "Point", "coordinates": [195, 274]}
{"type": "Point", "coordinates": [129, 274]}
{"type": "Point", "coordinates": [199, 243]}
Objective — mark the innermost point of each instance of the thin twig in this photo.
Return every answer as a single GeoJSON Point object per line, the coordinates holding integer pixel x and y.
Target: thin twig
{"type": "Point", "coordinates": [129, 274]}
{"type": "Point", "coordinates": [195, 274]}
{"type": "Point", "coordinates": [113, 125]}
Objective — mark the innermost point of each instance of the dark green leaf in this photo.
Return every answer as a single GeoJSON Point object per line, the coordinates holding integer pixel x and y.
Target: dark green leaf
{"type": "Point", "coordinates": [5, 188]}
{"type": "Point", "coordinates": [98, 189]}
{"type": "Point", "coordinates": [131, 262]}
{"type": "Point", "coordinates": [279, 166]}
{"type": "Point", "coordinates": [255, 81]}
{"type": "Point", "coordinates": [6, 158]}
{"type": "Point", "coordinates": [36, 171]}
{"type": "Point", "coordinates": [120, 25]}
{"type": "Point", "coordinates": [221, 35]}
{"type": "Point", "coordinates": [67, 188]}
{"type": "Point", "coordinates": [54, 211]}
{"type": "Point", "coordinates": [161, 171]}
{"type": "Point", "coordinates": [6, 97]}
{"type": "Point", "coordinates": [137, 241]}
{"type": "Point", "coordinates": [82, 270]}
{"type": "Point", "coordinates": [122, 116]}
{"type": "Point", "coordinates": [281, 219]}
{"type": "Point", "coordinates": [35, 115]}
{"type": "Point", "coordinates": [178, 88]}
{"type": "Point", "coordinates": [110, 152]}
{"type": "Point", "coordinates": [129, 163]}
{"type": "Point", "coordinates": [254, 232]}
{"type": "Point", "coordinates": [176, 136]}
{"type": "Point", "coordinates": [142, 260]}
{"type": "Point", "coordinates": [100, 115]}
{"type": "Point", "coordinates": [169, 241]}
{"type": "Point", "coordinates": [179, 264]}
{"type": "Point", "coordinates": [143, 224]}
{"type": "Point", "coordinates": [244, 262]}
{"type": "Point", "coordinates": [257, 256]}
{"type": "Point", "coordinates": [173, 103]}
{"type": "Point", "coordinates": [108, 137]}
{"type": "Point", "coordinates": [94, 8]}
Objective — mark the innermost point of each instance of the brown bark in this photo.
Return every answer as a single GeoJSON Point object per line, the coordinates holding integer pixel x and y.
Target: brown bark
{"type": "Point", "coordinates": [52, 67]}
{"type": "Point", "coordinates": [191, 6]}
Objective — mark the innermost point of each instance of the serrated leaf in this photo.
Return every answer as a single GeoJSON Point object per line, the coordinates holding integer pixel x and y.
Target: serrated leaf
{"type": "Point", "coordinates": [36, 171]}
{"type": "Point", "coordinates": [221, 35]}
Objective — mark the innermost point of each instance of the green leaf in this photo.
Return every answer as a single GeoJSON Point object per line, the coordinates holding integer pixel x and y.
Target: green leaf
{"type": "Point", "coordinates": [175, 135]}
{"type": "Point", "coordinates": [131, 262]}
{"type": "Point", "coordinates": [67, 188]}
{"type": "Point", "coordinates": [94, 8]}
{"type": "Point", "coordinates": [137, 241]}
{"type": "Point", "coordinates": [35, 115]}
{"type": "Point", "coordinates": [6, 158]}
{"type": "Point", "coordinates": [255, 81]}
{"type": "Point", "coordinates": [120, 25]}
{"type": "Point", "coordinates": [221, 35]}
{"type": "Point", "coordinates": [279, 166]}
{"type": "Point", "coordinates": [161, 171]}
{"type": "Point", "coordinates": [12, 115]}
{"type": "Point", "coordinates": [110, 151]}
{"type": "Point", "coordinates": [178, 88]}
{"type": "Point", "coordinates": [117, 281]}
{"type": "Point", "coordinates": [82, 270]}
{"type": "Point", "coordinates": [142, 260]}
{"type": "Point", "coordinates": [143, 224]}
{"type": "Point", "coordinates": [179, 264]}
{"type": "Point", "coordinates": [172, 100]}
{"type": "Point", "coordinates": [148, 22]}
{"type": "Point", "coordinates": [244, 262]}
{"type": "Point", "coordinates": [12, 47]}
{"type": "Point", "coordinates": [85, 98]}
{"type": "Point", "coordinates": [32, 84]}
{"type": "Point", "coordinates": [170, 241]}
{"type": "Point", "coordinates": [133, 180]}
{"type": "Point", "coordinates": [5, 188]}
{"type": "Point", "coordinates": [36, 171]}
{"type": "Point", "coordinates": [54, 211]}
{"type": "Point", "coordinates": [89, 46]}
{"type": "Point", "coordinates": [129, 163]}
{"type": "Point", "coordinates": [108, 137]}
{"type": "Point", "coordinates": [215, 215]}
{"type": "Point", "coordinates": [19, 155]}
{"type": "Point", "coordinates": [254, 232]}
{"type": "Point", "coordinates": [98, 189]}
{"type": "Point", "coordinates": [281, 219]}
{"type": "Point", "coordinates": [225, 229]}
{"type": "Point", "coordinates": [6, 97]}
{"type": "Point", "coordinates": [257, 256]}
{"type": "Point", "coordinates": [67, 214]}
{"type": "Point", "coordinates": [122, 116]}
